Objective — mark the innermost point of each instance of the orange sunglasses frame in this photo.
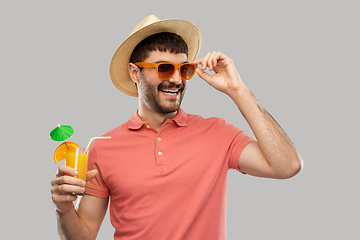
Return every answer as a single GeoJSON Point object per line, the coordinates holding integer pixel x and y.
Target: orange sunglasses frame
{"type": "Point", "coordinates": [156, 66]}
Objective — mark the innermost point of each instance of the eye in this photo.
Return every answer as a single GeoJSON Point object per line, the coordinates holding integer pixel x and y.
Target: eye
{"type": "Point", "coordinates": [165, 67]}
{"type": "Point", "coordinates": [184, 68]}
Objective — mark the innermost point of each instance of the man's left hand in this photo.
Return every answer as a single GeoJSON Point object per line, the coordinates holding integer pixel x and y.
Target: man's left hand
{"type": "Point", "coordinates": [226, 78]}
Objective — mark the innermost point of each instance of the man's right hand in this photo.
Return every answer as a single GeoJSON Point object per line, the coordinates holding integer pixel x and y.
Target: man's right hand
{"type": "Point", "coordinates": [65, 183]}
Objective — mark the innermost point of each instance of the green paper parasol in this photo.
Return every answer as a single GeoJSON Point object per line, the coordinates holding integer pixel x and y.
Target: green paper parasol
{"type": "Point", "coordinates": [61, 133]}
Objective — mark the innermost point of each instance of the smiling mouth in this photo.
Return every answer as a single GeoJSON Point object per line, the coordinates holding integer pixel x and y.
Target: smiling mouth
{"type": "Point", "coordinates": [171, 91]}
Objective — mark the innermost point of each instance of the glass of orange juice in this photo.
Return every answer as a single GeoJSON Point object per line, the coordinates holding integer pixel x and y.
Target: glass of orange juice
{"type": "Point", "coordinates": [79, 161]}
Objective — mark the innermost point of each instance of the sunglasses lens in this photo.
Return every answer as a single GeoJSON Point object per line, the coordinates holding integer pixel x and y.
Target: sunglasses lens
{"type": "Point", "coordinates": [187, 71]}
{"type": "Point", "coordinates": [165, 70]}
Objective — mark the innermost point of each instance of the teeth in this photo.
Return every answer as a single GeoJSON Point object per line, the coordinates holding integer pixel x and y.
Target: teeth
{"type": "Point", "coordinates": [170, 91]}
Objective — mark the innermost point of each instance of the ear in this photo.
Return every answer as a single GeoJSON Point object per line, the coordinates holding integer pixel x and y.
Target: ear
{"type": "Point", "coordinates": [134, 73]}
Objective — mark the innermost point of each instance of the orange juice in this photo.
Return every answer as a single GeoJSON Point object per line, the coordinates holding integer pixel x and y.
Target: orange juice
{"type": "Point", "coordinates": [78, 161]}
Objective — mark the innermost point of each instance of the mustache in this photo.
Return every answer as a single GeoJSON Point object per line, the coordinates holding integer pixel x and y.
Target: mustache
{"type": "Point", "coordinates": [167, 84]}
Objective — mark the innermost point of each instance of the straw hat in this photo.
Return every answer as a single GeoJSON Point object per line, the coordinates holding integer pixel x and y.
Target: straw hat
{"type": "Point", "coordinates": [148, 26]}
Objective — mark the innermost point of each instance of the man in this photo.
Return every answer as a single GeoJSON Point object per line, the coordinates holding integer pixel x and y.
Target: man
{"type": "Point", "coordinates": [165, 170]}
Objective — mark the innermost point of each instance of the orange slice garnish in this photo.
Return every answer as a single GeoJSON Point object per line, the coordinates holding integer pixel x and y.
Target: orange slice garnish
{"type": "Point", "coordinates": [63, 149]}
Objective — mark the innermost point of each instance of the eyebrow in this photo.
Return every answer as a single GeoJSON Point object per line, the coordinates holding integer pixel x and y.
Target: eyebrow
{"type": "Point", "coordinates": [161, 61]}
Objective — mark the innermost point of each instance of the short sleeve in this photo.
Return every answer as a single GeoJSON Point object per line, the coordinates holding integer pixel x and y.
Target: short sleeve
{"type": "Point", "coordinates": [235, 140]}
{"type": "Point", "coordinates": [240, 141]}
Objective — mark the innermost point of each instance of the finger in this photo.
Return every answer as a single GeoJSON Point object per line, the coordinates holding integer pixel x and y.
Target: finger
{"type": "Point", "coordinates": [91, 174]}
{"type": "Point", "coordinates": [64, 189]}
{"type": "Point", "coordinates": [69, 180]}
{"type": "Point", "coordinates": [212, 60]}
{"type": "Point", "coordinates": [63, 170]}
{"type": "Point", "coordinates": [203, 75]}
{"type": "Point", "coordinates": [215, 59]}
{"type": "Point", "coordinates": [61, 198]}
{"type": "Point", "coordinates": [198, 61]}
{"type": "Point", "coordinates": [205, 60]}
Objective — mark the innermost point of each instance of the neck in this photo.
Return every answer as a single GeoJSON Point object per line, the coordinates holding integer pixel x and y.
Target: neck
{"type": "Point", "coordinates": [155, 118]}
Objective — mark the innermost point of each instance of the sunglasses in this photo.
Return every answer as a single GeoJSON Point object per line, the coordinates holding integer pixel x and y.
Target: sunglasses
{"type": "Point", "coordinates": [167, 70]}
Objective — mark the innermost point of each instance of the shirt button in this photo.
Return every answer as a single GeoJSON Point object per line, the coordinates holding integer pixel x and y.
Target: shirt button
{"type": "Point", "coordinates": [159, 153]}
{"type": "Point", "coordinates": [147, 126]}
{"type": "Point", "coordinates": [159, 139]}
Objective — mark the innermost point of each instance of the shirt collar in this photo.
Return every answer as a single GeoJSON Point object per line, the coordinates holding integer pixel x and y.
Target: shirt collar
{"type": "Point", "coordinates": [135, 122]}
{"type": "Point", "coordinates": [180, 118]}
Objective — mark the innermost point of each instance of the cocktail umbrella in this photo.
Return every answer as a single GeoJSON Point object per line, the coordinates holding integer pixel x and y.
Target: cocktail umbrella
{"type": "Point", "coordinates": [61, 133]}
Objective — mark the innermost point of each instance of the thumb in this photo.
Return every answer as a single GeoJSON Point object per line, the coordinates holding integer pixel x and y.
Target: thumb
{"type": "Point", "coordinates": [91, 174]}
{"type": "Point", "coordinates": [204, 75]}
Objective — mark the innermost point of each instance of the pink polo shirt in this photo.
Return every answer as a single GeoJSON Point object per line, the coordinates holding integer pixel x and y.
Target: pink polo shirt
{"type": "Point", "coordinates": [167, 184]}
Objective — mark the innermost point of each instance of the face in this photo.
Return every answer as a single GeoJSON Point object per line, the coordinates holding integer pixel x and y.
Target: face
{"type": "Point", "coordinates": [163, 96]}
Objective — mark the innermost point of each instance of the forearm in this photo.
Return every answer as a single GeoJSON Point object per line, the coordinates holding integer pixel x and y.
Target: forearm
{"type": "Point", "coordinates": [274, 143]}
{"type": "Point", "coordinates": [71, 226]}
{"type": "Point", "coordinates": [273, 155]}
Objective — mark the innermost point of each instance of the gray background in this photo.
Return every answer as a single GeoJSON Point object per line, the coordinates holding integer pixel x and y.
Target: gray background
{"type": "Point", "coordinates": [300, 59]}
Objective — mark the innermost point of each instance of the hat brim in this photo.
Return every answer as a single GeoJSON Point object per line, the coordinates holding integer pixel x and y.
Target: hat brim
{"type": "Point", "coordinates": [119, 73]}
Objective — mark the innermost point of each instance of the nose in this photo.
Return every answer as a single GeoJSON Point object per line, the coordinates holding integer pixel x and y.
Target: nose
{"type": "Point", "coordinates": [176, 78]}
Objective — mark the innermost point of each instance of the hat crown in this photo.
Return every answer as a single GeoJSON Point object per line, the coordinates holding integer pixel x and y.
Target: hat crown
{"type": "Point", "coordinates": [145, 22]}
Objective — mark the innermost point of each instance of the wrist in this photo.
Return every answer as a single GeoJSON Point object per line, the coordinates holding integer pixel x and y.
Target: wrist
{"type": "Point", "coordinates": [61, 211]}
{"type": "Point", "coordinates": [240, 95]}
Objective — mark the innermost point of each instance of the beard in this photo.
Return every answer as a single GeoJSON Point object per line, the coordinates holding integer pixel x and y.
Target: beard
{"type": "Point", "coordinates": [151, 95]}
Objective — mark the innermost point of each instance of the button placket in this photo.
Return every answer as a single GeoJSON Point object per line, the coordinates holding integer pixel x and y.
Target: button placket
{"type": "Point", "coordinates": [160, 158]}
